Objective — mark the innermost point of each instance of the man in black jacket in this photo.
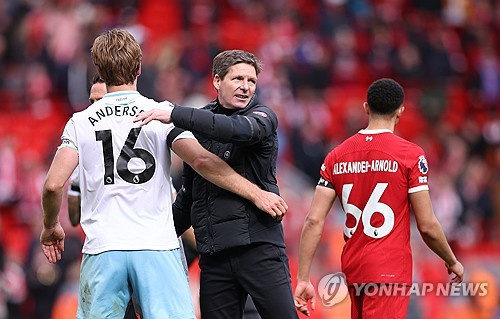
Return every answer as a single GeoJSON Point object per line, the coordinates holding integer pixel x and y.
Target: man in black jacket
{"type": "Point", "coordinates": [242, 248]}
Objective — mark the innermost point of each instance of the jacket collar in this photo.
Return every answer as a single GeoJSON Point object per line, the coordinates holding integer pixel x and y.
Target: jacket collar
{"type": "Point", "coordinates": [215, 103]}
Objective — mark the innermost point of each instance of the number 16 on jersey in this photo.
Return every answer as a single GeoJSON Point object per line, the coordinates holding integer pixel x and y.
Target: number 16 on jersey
{"type": "Point", "coordinates": [127, 153]}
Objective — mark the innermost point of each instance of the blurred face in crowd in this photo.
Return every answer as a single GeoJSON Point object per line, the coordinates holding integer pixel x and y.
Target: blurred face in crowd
{"type": "Point", "coordinates": [97, 91]}
{"type": "Point", "coordinates": [237, 87]}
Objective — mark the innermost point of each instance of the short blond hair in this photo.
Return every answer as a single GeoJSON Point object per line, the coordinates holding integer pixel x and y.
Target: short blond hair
{"type": "Point", "coordinates": [117, 56]}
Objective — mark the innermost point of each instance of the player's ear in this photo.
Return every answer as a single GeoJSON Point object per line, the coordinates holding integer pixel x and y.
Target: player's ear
{"type": "Point", "coordinates": [366, 108]}
{"type": "Point", "coordinates": [401, 110]}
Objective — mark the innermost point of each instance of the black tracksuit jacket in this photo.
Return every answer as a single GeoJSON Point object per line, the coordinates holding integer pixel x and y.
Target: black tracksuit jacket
{"type": "Point", "coordinates": [246, 139]}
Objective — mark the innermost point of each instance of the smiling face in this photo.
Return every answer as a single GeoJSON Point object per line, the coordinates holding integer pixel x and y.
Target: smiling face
{"type": "Point", "coordinates": [237, 87]}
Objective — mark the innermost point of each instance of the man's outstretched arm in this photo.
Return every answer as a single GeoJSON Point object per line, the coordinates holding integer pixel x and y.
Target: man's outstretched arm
{"type": "Point", "coordinates": [52, 236]}
{"type": "Point", "coordinates": [311, 234]}
{"type": "Point", "coordinates": [432, 233]}
{"type": "Point", "coordinates": [215, 170]}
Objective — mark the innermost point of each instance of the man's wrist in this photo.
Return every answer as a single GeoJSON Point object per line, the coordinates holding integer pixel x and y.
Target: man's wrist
{"type": "Point", "coordinates": [303, 280]}
{"type": "Point", "coordinates": [254, 193]}
{"type": "Point", "coordinates": [50, 223]}
{"type": "Point", "coordinates": [451, 264]}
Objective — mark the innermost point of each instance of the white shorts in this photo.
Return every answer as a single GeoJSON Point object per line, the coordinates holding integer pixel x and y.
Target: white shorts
{"type": "Point", "coordinates": [157, 279]}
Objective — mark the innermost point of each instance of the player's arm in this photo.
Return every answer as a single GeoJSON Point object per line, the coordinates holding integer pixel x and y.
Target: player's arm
{"type": "Point", "coordinates": [52, 236]}
{"type": "Point", "coordinates": [189, 237]}
{"type": "Point", "coordinates": [74, 210]}
{"type": "Point", "coordinates": [74, 205]}
{"type": "Point", "coordinates": [432, 233]}
{"type": "Point", "coordinates": [311, 234]}
{"type": "Point", "coordinates": [215, 170]}
{"type": "Point", "coordinates": [182, 206]}
{"type": "Point", "coordinates": [241, 129]}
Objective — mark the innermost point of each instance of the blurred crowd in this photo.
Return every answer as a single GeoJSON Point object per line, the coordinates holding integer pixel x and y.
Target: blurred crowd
{"type": "Point", "coordinates": [319, 57]}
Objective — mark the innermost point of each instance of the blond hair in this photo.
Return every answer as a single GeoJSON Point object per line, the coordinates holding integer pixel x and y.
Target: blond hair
{"type": "Point", "coordinates": [117, 56]}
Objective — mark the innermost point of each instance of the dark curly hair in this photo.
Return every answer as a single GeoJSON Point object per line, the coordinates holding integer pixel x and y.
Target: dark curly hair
{"type": "Point", "coordinates": [385, 96]}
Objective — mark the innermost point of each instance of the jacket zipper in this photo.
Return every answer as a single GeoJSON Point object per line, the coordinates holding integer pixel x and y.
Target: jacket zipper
{"type": "Point", "coordinates": [209, 211]}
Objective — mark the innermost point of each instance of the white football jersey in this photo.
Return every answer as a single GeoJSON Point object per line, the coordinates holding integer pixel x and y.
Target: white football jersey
{"type": "Point", "coordinates": [124, 172]}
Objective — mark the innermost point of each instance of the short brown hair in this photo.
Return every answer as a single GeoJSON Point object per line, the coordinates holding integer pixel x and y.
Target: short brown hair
{"type": "Point", "coordinates": [228, 58]}
{"type": "Point", "coordinates": [117, 56]}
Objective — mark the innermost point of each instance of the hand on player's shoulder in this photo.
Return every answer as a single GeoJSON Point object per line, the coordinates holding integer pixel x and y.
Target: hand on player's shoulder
{"type": "Point", "coordinates": [160, 114]}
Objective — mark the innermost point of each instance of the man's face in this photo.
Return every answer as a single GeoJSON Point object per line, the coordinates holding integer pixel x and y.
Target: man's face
{"type": "Point", "coordinates": [238, 86]}
{"type": "Point", "coordinates": [97, 91]}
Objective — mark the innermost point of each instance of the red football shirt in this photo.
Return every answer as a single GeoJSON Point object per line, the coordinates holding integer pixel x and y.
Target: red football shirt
{"type": "Point", "coordinates": [372, 173]}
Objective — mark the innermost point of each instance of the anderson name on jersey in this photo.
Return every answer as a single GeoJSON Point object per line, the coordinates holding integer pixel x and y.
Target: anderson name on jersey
{"type": "Point", "coordinates": [124, 172]}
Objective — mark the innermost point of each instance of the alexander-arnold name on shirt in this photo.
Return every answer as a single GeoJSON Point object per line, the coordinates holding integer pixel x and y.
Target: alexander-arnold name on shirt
{"type": "Point", "coordinates": [359, 167]}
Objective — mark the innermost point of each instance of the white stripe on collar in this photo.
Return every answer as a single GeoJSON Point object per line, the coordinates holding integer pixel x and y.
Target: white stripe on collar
{"type": "Point", "coordinates": [383, 130]}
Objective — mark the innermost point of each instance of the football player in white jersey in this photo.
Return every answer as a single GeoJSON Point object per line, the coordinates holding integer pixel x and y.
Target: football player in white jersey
{"type": "Point", "coordinates": [97, 91]}
{"type": "Point", "coordinates": [124, 170]}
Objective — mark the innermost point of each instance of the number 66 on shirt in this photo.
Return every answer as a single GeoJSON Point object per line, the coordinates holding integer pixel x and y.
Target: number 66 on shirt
{"type": "Point", "coordinates": [372, 206]}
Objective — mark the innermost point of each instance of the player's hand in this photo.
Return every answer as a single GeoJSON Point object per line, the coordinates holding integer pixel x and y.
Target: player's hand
{"type": "Point", "coordinates": [162, 115]}
{"type": "Point", "coordinates": [304, 293]}
{"type": "Point", "coordinates": [52, 241]}
{"type": "Point", "coordinates": [272, 204]}
{"type": "Point", "coordinates": [458, 269]}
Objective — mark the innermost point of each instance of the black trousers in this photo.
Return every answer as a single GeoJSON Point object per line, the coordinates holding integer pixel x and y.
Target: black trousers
{"type": "Point", "coordinates": [259, 270]}
{"type": "Point", "coordinates": [133, 310]}
{"type": "Point", "coordinates": [130, 311]}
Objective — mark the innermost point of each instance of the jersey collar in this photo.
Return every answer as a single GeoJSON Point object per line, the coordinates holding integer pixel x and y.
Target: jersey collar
{"type": "Point", "coordinates": [118, 93]}
{"type": "Point", "coordinates": [379, 131]}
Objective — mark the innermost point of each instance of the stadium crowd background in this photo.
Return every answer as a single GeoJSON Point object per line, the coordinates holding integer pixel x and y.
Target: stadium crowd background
{"type": "Point", "coordinates": [319, 58]}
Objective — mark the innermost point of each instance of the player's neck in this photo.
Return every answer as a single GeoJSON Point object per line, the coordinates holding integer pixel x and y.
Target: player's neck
{"type": "Point", "coordinates": [381, 124]}
{"type": "Point", "coordinates": [123, 87]}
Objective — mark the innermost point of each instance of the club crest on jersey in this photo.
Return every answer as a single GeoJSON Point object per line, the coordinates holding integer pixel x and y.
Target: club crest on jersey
{"type": "Point", "coordinates": [422, 165]}
{"type": "Point", "coordinates": [260, 113]}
